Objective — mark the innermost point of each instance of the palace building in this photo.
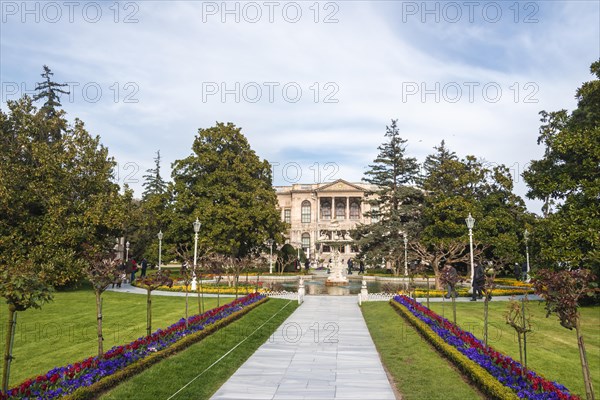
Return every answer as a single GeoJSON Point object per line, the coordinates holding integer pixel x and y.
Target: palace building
{"type": "Point", "coordinates": [310, 210]}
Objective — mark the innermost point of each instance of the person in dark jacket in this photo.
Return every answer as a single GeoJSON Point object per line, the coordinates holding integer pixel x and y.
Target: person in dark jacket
{"type": "Point", "coordinates": [144, 267]}
{"type": "Point", "coordinates": [478, 282]}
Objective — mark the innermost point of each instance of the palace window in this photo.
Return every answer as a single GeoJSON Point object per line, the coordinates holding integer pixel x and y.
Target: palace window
{"type": "Point", "coordinates": [374, 214]}
{"type": "Point", "coordinates": [340, 210]}
{"type": "Point", "coordinates": [354, 210]}
{"type": "Point", "coordinates": [326, 210]}
{"type": "Point", "coordinates": [287, 216]}
{"type": "Point", "coordinates": [305, 242]}
{"type": "Point", "coordinates": [305, 212]}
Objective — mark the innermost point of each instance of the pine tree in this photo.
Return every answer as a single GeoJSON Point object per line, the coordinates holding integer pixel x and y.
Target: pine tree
{"type": "Point", "coordinates": [394, 203]}
{"type": "Point", "coordinates": [154, 183]}
{"type": "Point", "coordinates": [49, 91]}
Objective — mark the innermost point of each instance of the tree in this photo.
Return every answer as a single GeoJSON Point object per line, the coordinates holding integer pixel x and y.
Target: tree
{"type": "Point", "coordinates": [49, 91]}
{"type": "Point", "coordinates": [456, 187]}
{"type": "Point", "coordinates": [64, 197]}
{"type": "Point", "coordinates": [396, 204]}
{"type": "Point", "coordinates": [226, 186]}
{"type": "Point", "coordinates": [562, 291]}
{"type": "Point", "coordinates": [567, 179]}
{"type": "Point", "coordinates": [154, 184]}
{"type": "Point", "coordinates": [151, 283]}
{"type": "Point", "coordinates": [22, 289]}
{"type": "Point", "coordinates": [101, 272]}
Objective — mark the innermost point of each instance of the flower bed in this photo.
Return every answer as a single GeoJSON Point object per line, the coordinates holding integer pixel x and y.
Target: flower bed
{"type": "Point", "coordinates": [123, 361]}
{"type": "Point", "coordinates": [420, 292]}
{"type": "Point", "coordinates": [210, 289]}
{"type": "Point", "coordinates": [487, 367]}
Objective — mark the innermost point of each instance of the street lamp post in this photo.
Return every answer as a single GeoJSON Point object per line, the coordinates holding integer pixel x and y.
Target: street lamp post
{"type": "Point", "coordinates": [405, 253]}
{"type": "Point", "coordinates": [160, 237]}
{"type": "Point", "coordinates": [127, 251]}
{"type": "Point", "coordinates": [470, 223]}
{"type": "Point", "coordinates": [196, 230]}
{"type": "Point", "coordinates": [270, 243]}
{"type": "Point", "coordinates": [526, 236]}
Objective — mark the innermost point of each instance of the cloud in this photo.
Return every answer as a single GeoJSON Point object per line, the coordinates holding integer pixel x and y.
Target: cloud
{"type": "Point", "coordinates": [180, 68]}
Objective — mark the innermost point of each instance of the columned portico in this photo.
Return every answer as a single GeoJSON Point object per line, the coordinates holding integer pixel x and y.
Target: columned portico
{"type": "Point", "coordinates": [311, 209]}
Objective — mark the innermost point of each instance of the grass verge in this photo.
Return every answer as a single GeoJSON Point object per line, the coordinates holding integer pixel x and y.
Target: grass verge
{"type": "Point", "coordinates": [64, 331]}
{"type": "Point", "coordinates": [166, 378]}
{"type": "Point", "coordinates": [419, 372]}
{"type": "Point", "coordinates": [551, 349]}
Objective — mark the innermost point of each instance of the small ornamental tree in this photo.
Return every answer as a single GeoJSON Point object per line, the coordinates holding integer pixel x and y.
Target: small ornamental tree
{"type": "Point", "coordinates": [101, 272]}
{"type": "Point", "coordinates": [150, 283]}
{"type": "Point", "coordinates": [488, 287]}
{"type": "Point", "coordinates": [22, 290]}
{"type": "Point", "coordinates": [421, 269]}
{"type": "Point", "coordinates": [519, 318]}
{"type": "Point", "coordinates": [562, 291]}
{"type": "Point", "coordinates": [449, 277]}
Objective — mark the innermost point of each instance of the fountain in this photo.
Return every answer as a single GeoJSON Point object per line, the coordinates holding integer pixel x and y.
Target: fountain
{"type": "Point", "coordinates": [336, 277]}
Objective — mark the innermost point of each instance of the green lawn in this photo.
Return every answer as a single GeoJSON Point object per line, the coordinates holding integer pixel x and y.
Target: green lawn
{"type": "Point", "coordinates": [551, 349]}
{"type": "Point", "coordinates": [195, 365]}
{"type": "Point", "coordinates": [419, 372]}
{"type": "Point", "coordinates": [64, 331]}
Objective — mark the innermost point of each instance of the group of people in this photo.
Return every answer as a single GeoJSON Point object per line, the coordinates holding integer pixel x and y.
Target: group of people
{"type": "Point", "coordinates": [451, 277]}
{"type": "Point", "coordinates": [128, 270]}
{"type": "Point", "coordinates": [361, 266]}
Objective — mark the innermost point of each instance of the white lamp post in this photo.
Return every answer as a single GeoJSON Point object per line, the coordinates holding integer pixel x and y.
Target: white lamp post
{"type": "Point", "coordinates": [160, 236]}
{"type": "Point", "coordinates": [197, 225]}
{"type": "Point", "coordinates": [127, 251]}
{"type": "Point", "coordinates": [470, 223]}
{"type": "Point", "coordinates": [526, 236]}
{"type": "Point", "coordinates": [270, 244]}
{"type": "Point", "coordinates": [405, 253]}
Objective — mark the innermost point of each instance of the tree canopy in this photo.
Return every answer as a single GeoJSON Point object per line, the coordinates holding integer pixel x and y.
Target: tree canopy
{"type": "Point", "coordinates": [229, 189]}
{"type": "Point", "coordinates": [567, 179]}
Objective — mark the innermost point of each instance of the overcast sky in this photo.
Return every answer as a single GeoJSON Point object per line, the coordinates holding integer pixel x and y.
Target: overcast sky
{"type": "Point", "coordinates": [312, 84]}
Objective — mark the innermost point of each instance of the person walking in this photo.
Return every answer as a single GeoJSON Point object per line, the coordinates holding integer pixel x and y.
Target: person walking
{"type": "Point", "coordinates": [517, 271]}
{"type": "Point", "coordinates": [144, 267]}
{"type": "Point", "coordinates": [478, 282]}
{"type": "Point", "coordinates": [361, 267]}
{"type": "Point", "coordinates": [306, 265]}
{"type": "Point", "coordinates": [134, 269]}
{"type": "Point", "coordinates": [451, 278]}
{"type": "Point", "coordinates": [350, 263]}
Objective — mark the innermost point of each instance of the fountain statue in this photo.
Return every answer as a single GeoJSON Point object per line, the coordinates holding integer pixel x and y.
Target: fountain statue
{"type": "Point", "coordinates": [336, 277]}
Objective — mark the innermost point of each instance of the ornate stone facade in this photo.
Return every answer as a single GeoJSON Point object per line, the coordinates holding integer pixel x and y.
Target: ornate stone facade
{"type": "Point", "coordinates": [310, 210]}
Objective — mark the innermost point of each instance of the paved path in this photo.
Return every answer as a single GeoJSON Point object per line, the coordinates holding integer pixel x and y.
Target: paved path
{"type": "Point", "coordinates": [322, 351]}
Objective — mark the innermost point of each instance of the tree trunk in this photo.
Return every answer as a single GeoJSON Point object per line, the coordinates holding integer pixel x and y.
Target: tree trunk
{"type": "Point", "coordinates": [485, 320]}
{"type": "Point", "coordinates": [524, 361]}
{"type": "Point", "coordinates": [236, 280]}
{"type": "Point", "coordinates": [589, 390]}
{"type": "Point", "coordinates": [9, 340]}
{"type": "Point", "coordinates": [186, 306]}
{"type": "Point", "coordinates": [453, 306]}
{"type": "Point", "coordinates": [148, 313]}
{"type": "Point", "coordinates": [521, 353]}
{"type": "Point", "coordinates": [99, 323]}
{"type": "Point", "coordinates": [427, 291]}
{"type": "Point", "coordinates": [201, 296]}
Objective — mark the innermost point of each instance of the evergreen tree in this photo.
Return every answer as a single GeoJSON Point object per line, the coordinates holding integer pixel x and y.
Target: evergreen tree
{"type": "Point", "coordinates": [226, 186]}
{"type": "Point", "coordinates": [395, 204]}
{"type": "Point", "coordinates": [64, 196]}
{"type": "Point", "coordinates": [49, 91]}
{"type": "Point", "coordinates": [154, 183]}
{"type": "Point", "coordinates": [567, 179]}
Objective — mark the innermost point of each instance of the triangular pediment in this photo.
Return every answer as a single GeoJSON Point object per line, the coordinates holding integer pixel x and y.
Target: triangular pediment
{"type": "Point", "coordinates": [340, 185]}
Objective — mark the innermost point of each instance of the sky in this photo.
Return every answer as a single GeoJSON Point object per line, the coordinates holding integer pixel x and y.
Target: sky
{"type": "Point", "coordinates": [312, 84]}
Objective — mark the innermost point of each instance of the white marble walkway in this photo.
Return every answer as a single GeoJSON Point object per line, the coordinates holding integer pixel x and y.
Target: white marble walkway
{"type": "Point", "coordinates": [322, 351]}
